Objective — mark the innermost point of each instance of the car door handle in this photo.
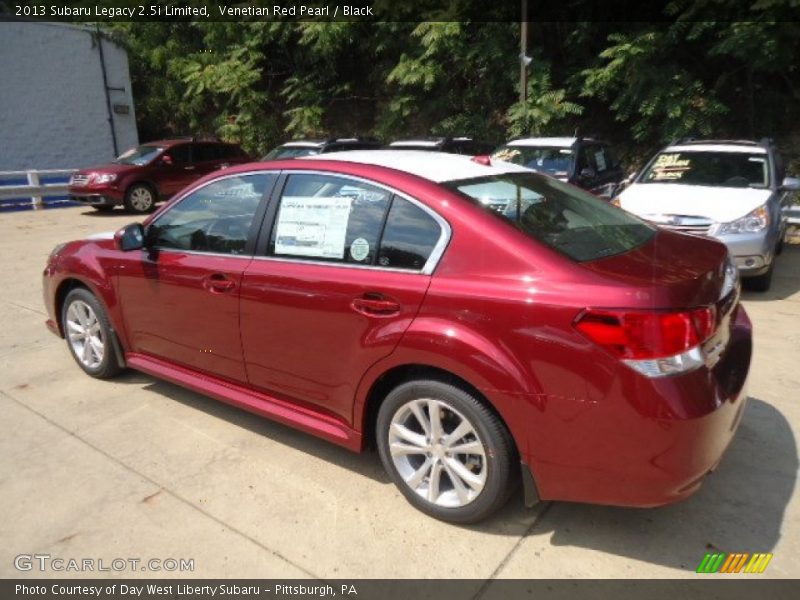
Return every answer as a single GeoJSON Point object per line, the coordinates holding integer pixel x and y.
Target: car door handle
{"type": "Point", "coordinates": [218, 283]}
{"type": "Point", "coordinates": [375, 305]}
{"type": "Point", "coordinates": [189, 168]}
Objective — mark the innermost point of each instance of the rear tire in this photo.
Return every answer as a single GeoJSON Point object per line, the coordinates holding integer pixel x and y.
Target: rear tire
{"type": "Point", "coordinates": [89, 335]}
{"type": "Point", "coordinates": [421, 427]}
{"type": "Point", "coordinates": [140, 198]}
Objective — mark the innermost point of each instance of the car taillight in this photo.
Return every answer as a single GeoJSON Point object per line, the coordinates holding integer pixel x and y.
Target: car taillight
{"type": "Point", "coordinates": [655, 343]}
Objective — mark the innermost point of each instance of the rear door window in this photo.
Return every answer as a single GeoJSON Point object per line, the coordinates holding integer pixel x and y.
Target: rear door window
{"type": "Point", "coordinates": [410, 236]}
{"type": "Point", "coordinates": [329, 218]}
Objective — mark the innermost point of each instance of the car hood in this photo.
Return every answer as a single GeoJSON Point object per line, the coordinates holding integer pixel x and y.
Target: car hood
{"type": "Point", "coordinates": [719, 204]}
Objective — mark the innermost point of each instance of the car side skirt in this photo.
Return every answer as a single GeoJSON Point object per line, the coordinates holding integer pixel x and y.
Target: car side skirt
{"type": "Point", "coordinates": [302, 418]}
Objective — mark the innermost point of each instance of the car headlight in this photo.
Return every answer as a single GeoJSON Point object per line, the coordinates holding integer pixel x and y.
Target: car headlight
{"type": "Point", "coordinates": [104, 177]}
{"type": "Point", "coordinates": [753, 222]}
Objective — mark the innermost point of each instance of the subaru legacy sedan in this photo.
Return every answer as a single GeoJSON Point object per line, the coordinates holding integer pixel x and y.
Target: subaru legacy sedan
{"type": "Point", "coordinates": [481, 324]}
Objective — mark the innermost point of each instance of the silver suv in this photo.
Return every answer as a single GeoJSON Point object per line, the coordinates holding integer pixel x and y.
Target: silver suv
{"type": "Point", "coordinates": [734, 191]}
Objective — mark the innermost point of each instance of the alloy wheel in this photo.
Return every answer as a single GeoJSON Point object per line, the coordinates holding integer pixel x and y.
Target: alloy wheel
{"type": "Point", "coordinates": [85, 334]}
{"type": "Point", "coordinates": [141, 199]}
{"type": "Point", "coordinates": [437, 452]}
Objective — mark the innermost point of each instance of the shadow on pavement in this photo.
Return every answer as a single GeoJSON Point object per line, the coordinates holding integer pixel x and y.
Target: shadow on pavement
{"type": "Point", "coordinates": [739, 508]}
{"type": "Point", "coordinates": [785, 280]}
{"type": "Point", "coordinates": [367, 464]}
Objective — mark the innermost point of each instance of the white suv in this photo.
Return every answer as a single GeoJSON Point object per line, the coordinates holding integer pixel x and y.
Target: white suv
{"type": "Point", "coordinates": [731, 190]}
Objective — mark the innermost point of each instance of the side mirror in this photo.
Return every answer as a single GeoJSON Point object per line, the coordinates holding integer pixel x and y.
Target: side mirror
{"type": "Point", "coordinates": [130, 237]}
{"type": "Point", "coordinates": [166, 160]}
{"type": "Point", "coordinates": [587, 173]}
{"type": "Point", "coordinates": [790, 184]}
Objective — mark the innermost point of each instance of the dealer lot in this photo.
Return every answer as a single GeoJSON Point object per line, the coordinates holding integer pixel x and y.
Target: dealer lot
{"type": "Point", "coordinates": [139, 468]}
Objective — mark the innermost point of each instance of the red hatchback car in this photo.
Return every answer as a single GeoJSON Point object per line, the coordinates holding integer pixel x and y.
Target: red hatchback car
{"type": "Point", "coordinates": [467, 318]}
{"type": "Point", "coordinates": [151, 172]}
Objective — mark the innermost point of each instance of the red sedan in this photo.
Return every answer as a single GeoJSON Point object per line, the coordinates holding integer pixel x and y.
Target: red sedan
{"type": "Point", "coordinates": [480, 323]}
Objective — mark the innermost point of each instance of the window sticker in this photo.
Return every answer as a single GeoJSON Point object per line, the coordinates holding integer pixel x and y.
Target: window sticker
{"type": "Point", "coordinates": [506, 154]}
{"type": "Point", "coordinates": [313, 227]}
{"type": "Point", "coordinates": [670, 167]}
{"type": "Point", "coordinates": [359, 249]}
{"type": "Point", "coordinates": [600, 160]}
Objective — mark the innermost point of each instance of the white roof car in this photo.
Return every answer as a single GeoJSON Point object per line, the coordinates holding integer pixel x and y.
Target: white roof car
{"type": "Point", "coordinates": [437, 167]}
{"type": "Point", "coordinates": [553, 142]}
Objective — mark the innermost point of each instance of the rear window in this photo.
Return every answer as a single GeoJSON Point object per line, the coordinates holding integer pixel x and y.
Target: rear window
{"type": "Point", "coordinates": [558, 215]}
{"type": "Point", "coordinates": [555, 161]}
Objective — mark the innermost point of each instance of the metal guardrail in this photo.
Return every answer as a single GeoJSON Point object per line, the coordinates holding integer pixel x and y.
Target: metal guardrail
{"type": "Point", "coordinates": [34, 190]}
{"type": "Point", "coordinates": [792, 214]}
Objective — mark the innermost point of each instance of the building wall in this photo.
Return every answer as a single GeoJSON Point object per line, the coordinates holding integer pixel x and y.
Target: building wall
{"type": "Point", "coordinates": [53, 112]}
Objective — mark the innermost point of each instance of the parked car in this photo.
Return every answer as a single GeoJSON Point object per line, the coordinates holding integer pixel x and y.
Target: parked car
{"type": "Point", "coordinates": [585, 162]}
{"type": "Point", "coordinates": [479, 322]}
{"type": "Point", "coordinates": [453, 145]}
{"type": "Point", "coordinates": [730, 190]}
{"type": "Point", "coordinates": [152, 172]}
{"type": "Point", "coordinates": [299, 148]}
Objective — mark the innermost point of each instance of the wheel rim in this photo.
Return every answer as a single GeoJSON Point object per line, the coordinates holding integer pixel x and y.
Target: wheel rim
{"type": "Point", "coordinates": [85, 334]}
{"type": "Point", "coordinates": [141, 198]}
{"type": "Point", "coordinates": [437, 452]}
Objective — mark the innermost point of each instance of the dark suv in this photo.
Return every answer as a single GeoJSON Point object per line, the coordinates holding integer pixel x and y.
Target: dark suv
{"type": "Point", "coordinates": [298, 148]}
{"type": "Point", "coordinates": [151, 172]}
{"type": "Point", "coordinates": [454, 145]}
{"type": "Point", "coordinates": [585, 162]}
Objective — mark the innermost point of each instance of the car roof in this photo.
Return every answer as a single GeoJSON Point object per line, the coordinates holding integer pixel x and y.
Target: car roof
{"type": "Point", "coordinates": [717, 146]}
{"type": "Point", "coordinates": [558, 142]}
{"type": "Point", "coordinates": [436, 167]}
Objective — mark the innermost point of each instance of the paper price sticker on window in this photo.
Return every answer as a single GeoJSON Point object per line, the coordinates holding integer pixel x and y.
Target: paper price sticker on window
{"type": "Point", "coordinates": [312, 227]}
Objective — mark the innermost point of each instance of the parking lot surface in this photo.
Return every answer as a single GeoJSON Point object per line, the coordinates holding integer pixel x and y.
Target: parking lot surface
{"type": "Point", "coordinates": [137, 468]}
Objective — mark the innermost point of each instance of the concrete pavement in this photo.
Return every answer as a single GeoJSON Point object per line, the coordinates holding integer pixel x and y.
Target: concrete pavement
{"type": "Point", "coordinates": [139, 468]}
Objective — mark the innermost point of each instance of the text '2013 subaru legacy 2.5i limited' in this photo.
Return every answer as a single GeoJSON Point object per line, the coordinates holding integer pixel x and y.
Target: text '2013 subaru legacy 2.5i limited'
{"type": "Point", "coordinates": [480, 323]}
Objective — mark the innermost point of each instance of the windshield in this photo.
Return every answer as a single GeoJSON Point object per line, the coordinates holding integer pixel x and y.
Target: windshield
{"type": "Point", "coordinates": [551, 160]}
{"type": "Point", "coordinates": [561, 216]}
{"type": "Point", "coordinates": [722, 169]}
{"type": "Point", "coordinates": [140, 155]}
{"type": "Point", "coordinates": [291, 152]}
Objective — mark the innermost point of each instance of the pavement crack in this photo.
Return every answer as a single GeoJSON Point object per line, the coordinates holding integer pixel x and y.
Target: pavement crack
{"type": "Point", "coordinates": [166, 490]}
{"type": "Point", "coordinates": [485, 586]}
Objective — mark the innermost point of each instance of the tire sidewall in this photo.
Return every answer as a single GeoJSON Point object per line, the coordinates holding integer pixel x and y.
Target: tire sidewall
{"type": "Point", "coordinates": [109, 365]}
{"type": "Point", "coordinates": [498, 477]}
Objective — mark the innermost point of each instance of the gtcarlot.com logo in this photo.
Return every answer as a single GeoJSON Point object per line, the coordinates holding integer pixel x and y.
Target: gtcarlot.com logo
{"type": "Point", "coordinates": [46, 562]}
{"type": "Point", "coordinates": [738, 562]}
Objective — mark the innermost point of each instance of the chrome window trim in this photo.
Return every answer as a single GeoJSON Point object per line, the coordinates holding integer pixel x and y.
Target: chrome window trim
{"type": "Point", "coordinates": [435, 257]}
{"type": "Point", "coordinates": [201, 253]}
{"type": "Point", "coordinates": [445, 231]}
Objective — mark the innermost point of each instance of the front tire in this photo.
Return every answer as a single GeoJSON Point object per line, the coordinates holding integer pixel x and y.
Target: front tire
{"type": "Point", "coordinates": [448, 453]}
{"type": "Point", "coordinates": [140, 198]}
{"type": "Point", "coordinates": [89, 334]}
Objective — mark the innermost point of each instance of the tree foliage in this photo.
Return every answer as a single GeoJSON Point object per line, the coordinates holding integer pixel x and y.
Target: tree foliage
{"type": "Point", "coordinates": [703, 72]}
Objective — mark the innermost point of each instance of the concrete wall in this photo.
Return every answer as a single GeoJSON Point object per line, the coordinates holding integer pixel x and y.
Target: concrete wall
{"type": "Point", "coordinates": [53, 111]}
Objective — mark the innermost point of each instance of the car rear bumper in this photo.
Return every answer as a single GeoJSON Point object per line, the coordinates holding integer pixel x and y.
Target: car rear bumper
{"type": "Point", "coordinates": [651, 442]}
